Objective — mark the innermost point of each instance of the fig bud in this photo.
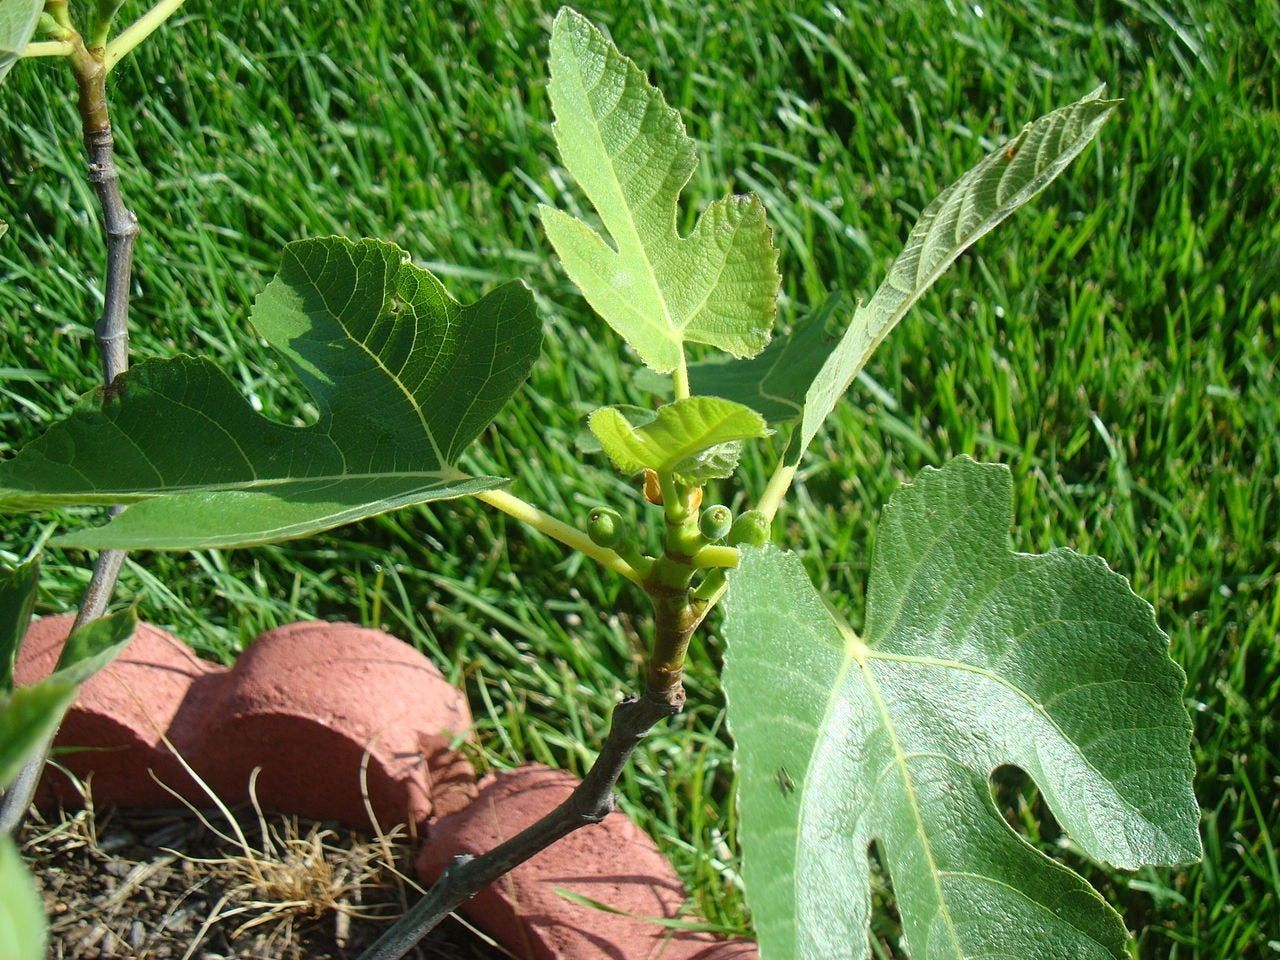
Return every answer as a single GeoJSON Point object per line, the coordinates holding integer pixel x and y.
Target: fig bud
{"type": "Point", "coordinates": [652, 487]}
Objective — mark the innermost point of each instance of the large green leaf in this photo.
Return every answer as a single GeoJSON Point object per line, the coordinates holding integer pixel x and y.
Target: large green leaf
{"type": "Point", "coordinates": [403, 376]}
{"type": "Point", "coordinates": [18, 19]}
{"type": "Point", "coordinates": [629, 152]}
{"type": "Point", "coordinates": [23, 932]}
{"type": "Point", "coordinates": [695, 438]}
{"type": "Point", "coordinates": [974, 657]}
{"type": "Point", "coordinates": [802, 377]}
{"type": "Point", "coordinates": [17, 601]}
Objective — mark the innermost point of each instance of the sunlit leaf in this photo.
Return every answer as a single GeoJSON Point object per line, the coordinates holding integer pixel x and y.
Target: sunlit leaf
{"type": "Point", "coordinates": [585, 441]}
{"type": "Point", "coordinates": [690, 438]}
{"type": "Point", "coordinates": [804, 375]}
{"type": "Point", "coordinates": [23, 931]}
{"type": "Point", "coordinates": [973, 657]}
{"type": "Point", "coordinates": [403, 376]}
{"type": "Point", "coordinates": [629, 153]}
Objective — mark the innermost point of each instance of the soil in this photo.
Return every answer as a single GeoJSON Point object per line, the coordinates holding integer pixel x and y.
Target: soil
{"type": "Point", "coordinates": [167, 884]}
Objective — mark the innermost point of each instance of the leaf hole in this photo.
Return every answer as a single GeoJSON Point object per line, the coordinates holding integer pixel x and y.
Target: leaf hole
{"type": "Point", "coordinates": [886, 922]}
{"type": "Point", "coordinates": [1023, 808]}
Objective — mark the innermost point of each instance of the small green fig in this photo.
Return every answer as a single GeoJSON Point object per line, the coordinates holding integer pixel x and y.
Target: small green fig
{"type": "Point", "coordinates": [751, 529]}
{"type": "Point", "coordinates": [605, 527]}
{"type": "Point", "coordinates": [715, 522]}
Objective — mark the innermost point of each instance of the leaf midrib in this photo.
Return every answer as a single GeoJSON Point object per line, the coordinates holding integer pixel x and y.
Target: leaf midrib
{"type": "Point", "coordinates": [413, 403]}
{"type": "Point", "coordinates": [1004, 210]}
{"type": "Point", "coordinates": [615, 182]}
{"type": "Point", "coordinates": [900, 758]}
{"type": "Point", "coordinates": [451, 475]}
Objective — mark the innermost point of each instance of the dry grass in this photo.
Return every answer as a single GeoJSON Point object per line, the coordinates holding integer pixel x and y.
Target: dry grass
{"type": "Point", "coordinates": [222, 883]}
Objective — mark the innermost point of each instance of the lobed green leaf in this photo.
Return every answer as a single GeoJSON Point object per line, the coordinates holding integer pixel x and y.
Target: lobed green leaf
{"type": "Point", "coordinates": [629, 152]}
{"type": "Point", "coordinates": [695, 439]}
{"type": "Point", "coordinates": [974, 657]}
{"type": "Point", "coordinates": [18, 20]}
{"type": "Point", "coordinates": [404, 378]}
{"type": "Point", "coordinates": [803, 376]}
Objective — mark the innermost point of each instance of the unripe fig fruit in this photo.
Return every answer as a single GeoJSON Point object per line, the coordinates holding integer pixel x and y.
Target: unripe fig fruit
{"type": "Point", "coordinates": [751, 529]}
{"type": "Point", "coordinates": [605, 527]}
{"type": "Point", "coordinates": [715, 522]}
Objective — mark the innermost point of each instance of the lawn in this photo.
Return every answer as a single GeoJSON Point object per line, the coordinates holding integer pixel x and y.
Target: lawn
{"type": "Point", "coordinates": [1116, 343]}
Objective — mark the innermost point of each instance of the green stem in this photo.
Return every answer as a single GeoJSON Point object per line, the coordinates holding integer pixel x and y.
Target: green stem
{"type": "Point", "coordinates": [48, 48]}
{"type": "Point", "coordinates": [716, 556]}
{"type": "Point", "coordinates": [673, 506]}
{"type": "Point", "coordinates": [102, 21]}
{"type": "Point", "coordinates": [58, 9]}
{"type": "Point", "coordinates": [708, 591]}
{"type": "Point", "coordinates": [708, 598]}
{"type": "Point", "coordinates": [776, 489]}
{"type": "Point", "coordinates": [681, 377]}
{"type": "Point", "coordinates": [682, 539]}
{"type": "Point", "coordinates": [139, 30]}
{"type": "Point", "coordinates": [712, 590]}
{"type": "Point", "coordinates": [571, 537]}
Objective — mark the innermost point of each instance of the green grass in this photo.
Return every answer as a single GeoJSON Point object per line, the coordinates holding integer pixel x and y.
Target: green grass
{"type": "Point", "coordinates": [1115, 343]}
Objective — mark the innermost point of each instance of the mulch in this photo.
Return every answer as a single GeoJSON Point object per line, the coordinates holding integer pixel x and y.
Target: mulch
{"type": "Point", "coordinates": [159, 885]}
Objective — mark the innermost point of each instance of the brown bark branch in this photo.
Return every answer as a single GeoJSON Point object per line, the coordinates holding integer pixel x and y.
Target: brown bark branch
{"type": "Point", "coordinates": [590, 802]}
{"type": "Point", "coordinates": [111, 332]}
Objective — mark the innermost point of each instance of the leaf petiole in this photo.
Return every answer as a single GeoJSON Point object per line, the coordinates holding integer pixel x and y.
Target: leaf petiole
{"type": "Point", "coordinates": [777, 487]}
{"type": "Point", "coordinates": [48, 48]}
{"type": "Point", "coordinates": [715, 557]}
{"type": "Point", "coordinates": [138, 31]}
{"type": "Point", "coordinates": [568, 535]}
{"type": "Point", "coordinates": [59, 12]}
{"type": "Point", "coordinates": [680, 376]}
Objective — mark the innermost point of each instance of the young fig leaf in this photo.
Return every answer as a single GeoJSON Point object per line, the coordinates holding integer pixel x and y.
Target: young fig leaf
{"type": "Point", "coordinates": [974, 657]}
{"type": "Point", "coordinates": [585, 441]}
{"type": "Point", "coordinates": [804, 375]}
{"type": "Point", "coordinates": [629, 153]}
{"type": "Point", "coordinates": [18, 19]}
{"type": "Point", "coordinates": [404, 378]}
{"type": "Point", "coordinates": [695, 438]}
